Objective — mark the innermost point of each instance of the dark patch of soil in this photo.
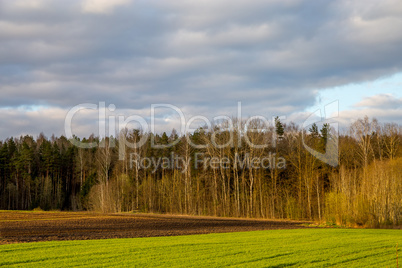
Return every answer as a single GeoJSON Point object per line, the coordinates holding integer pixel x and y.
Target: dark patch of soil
{"type": "Point", "coordinates": [20, 226]}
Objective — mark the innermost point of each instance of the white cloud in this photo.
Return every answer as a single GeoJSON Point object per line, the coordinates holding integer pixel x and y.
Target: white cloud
{"type": "Point", "coordinates": [383, 101]}
{"type": "Point", "coordinates": [385, 107]}
{"type": "Point", "coordinates": [29, 4]}
{"type": "Point", "coordinates": [383, 115]}
{"type": "Point", "coordinates": [102, 6]}
{"type": "Point", "coordinates": [27, 121]}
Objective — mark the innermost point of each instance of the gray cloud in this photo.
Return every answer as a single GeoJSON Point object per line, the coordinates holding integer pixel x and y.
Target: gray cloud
{"type": "Point", "coordinates": [202, 56]}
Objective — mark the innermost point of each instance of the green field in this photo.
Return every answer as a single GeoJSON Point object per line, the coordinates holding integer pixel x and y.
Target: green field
{"type": "Point", "coordinates": [277, 248]}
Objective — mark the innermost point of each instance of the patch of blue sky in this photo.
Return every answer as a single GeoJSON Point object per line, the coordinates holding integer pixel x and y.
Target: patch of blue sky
{"type": "Point", "coordinates": [351, 94]}
{"type": "Point", "coordinates": [32, 107]}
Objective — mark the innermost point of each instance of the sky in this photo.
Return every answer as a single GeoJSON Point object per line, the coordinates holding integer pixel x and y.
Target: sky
{"type": "Point", "coordinates": [277, 58]}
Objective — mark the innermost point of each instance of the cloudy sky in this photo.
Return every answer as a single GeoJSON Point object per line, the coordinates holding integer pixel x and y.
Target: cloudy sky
{"type": "Point", "coordinates": [276, 57]}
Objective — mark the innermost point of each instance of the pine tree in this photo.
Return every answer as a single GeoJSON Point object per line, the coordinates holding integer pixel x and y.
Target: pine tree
{"type": "Point", "coordinates": [279, 128]}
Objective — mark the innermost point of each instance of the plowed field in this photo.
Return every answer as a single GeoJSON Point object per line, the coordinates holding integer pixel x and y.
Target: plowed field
{"type": "Point", "coordinates": [27, 226]}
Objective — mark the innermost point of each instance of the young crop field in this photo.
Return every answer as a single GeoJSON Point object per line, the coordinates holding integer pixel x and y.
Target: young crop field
{"type": "Point", "coordinates": [272, 248]}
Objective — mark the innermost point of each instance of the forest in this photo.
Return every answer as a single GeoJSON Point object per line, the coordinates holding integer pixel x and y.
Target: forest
{"type": "Point", "coordinates": [253, 171]}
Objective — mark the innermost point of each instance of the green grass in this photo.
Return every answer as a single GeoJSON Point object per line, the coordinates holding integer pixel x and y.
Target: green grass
{"type": "Point", "coordinates": [277, 248]}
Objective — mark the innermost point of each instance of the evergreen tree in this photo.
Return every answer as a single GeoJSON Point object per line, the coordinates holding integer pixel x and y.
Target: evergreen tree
{"type": "Point", "coordinates": [279, 128]}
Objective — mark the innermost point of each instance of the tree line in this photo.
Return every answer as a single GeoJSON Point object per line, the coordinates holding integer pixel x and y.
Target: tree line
{"type": "Point", "coordinates": [246, 169]}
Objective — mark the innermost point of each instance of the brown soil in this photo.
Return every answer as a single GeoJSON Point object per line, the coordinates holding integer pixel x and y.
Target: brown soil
{"type": "Point", "coordinates": [26, 226]}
